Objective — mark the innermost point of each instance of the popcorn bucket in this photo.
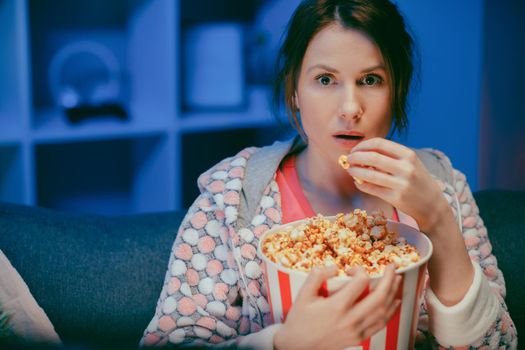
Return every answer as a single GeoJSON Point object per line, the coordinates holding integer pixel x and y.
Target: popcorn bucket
{"type": "Point", "coordinates": [284, 285]}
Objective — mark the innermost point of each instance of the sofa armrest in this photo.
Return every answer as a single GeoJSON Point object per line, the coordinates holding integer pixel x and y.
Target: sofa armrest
{"type": "Point", "coordinates": [97, 278]}
{"type": "Point", "coordinates": [503, 213]}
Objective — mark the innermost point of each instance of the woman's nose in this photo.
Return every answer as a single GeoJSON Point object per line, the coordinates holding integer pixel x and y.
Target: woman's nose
{"type": "Point", "coordinates": [350, 106]}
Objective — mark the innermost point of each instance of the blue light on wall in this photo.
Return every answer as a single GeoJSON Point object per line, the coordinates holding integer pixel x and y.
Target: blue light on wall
{"type": "Point", "coordinates": [446, 109]}
{"type": "Point", "coordinates": [470, 95]}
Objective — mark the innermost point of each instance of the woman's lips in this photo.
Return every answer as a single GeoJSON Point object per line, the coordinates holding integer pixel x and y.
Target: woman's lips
{"type": "Point", "coordinates": [348, 139]}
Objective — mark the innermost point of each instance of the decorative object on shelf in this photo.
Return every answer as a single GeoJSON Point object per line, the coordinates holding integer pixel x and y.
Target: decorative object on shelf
{"type": "Point", "coordinates": [264, 38]}
{"type": "Point", "coordinates": [213, 71]}
{"type": "Point", "coordinates": [85, 79]}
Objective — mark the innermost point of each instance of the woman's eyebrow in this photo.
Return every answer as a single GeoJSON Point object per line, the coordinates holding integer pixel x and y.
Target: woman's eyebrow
{"type": "Point", "coordinates": [322, 66]}
{"type": "Point", "coordinates": [379, 66]}
{"type": "Point", "coordinates": [333, 70]}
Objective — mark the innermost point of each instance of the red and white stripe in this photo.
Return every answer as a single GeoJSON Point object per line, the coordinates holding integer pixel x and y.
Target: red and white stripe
{"type": "Point", "coordinates": [400, 331]}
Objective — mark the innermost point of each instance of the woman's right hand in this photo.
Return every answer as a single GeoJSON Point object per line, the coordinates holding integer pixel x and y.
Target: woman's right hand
{"type": "Point", "coordinates": [339, 320]}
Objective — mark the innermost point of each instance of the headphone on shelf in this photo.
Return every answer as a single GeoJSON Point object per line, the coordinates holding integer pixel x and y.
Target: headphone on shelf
{"type": "Point", "coordinates": [84, 57]}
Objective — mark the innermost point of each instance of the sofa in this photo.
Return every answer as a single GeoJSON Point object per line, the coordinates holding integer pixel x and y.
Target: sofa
{"type": "Point", "coordinates": [98, 278]}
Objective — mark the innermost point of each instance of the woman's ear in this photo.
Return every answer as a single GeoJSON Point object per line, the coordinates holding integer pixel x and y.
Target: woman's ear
{"type": "Point", "coordinates": [296, 101]}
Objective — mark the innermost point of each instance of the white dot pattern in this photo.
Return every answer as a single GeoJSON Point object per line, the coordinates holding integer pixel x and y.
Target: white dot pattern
{"type": "Point", "coordinates": [231, 214]}
{"type": "Point", "coordinates": [253, 270]}
{"type": "Point", "coordinates": [199, 261]}
{"type": "Point", "coordinates": [258, 220]}
{"type": "Point", "coordinates": [185, 321]}
{"type": "Point", "coordinates": [204, 286]}
{"type": "Point", "coordinates": [219, 200]}
{"type": "Point", "coordinates": [223, 329]}
{"type": "Point", "coordinates": [177, 336]}
{"type": "Point", "coordinates": [229, 276]}
{"type": "Point", "coordinates": [221, 252]}
{"type": "Point", "coordinates": [178, 268]}
{"type": "Point", "coordinates": [267, 202]}
{"type": "Point", "coordinates": [219, 175]}
{"type": "Point", "coordinates": [246, 234]}
{"type": "Point", "coordinates": [213, 228]}
{"type": "Point", "coordinates": [202, 333]}
{"type": "Point", "coordinates": [190, 236]}
{"type": "Point", "coordinates": [239, 162]}
{"type": "Point", "coordinates": [234, 184]}
{"type": "Point", "coordinates": [170, 304]}
{"type": "Point", "coordinates": [185, 289]}
{"type": "Point", "coordinates": [216, 308]}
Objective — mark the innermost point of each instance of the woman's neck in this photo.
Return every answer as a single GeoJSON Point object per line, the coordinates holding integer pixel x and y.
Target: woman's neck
{"type": "Point", "coordinates": [327, 186]}
{"type": "Point", "coordinates": [330, 189]}
{"type": "Point", "coordinates": [319, 173]}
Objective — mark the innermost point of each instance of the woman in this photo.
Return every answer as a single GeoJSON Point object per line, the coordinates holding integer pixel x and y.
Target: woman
{"type": "Point", "coordinates": [345, 70]}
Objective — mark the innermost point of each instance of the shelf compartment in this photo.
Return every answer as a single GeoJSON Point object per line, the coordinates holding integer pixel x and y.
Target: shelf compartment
{"type": "Point", "coordinates": [9, 133]}
{"type": "Point", "coordinates": [52, 127]}
{"type": "Point", "coordinates": [11, 175]}
{"type": "Point", "coordinates": [13, 70]}
{"type": "Point", "coordinates": [104, 177]}
{"type": "Point", "coordinates": [257, 114]}
{"type": "Point", "coordinates": [120, 29]}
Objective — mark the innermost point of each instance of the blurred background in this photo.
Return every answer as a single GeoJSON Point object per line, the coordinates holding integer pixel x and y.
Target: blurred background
{"type": "Point", "coordinates": [115, 107]}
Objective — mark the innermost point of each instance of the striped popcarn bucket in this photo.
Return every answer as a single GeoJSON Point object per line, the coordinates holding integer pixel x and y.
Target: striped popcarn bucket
{"type": "Point", "coordinates": [284, 285]}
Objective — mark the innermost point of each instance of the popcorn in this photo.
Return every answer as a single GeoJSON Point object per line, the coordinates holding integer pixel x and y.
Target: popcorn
{"type": "Point", "coordinates": [343, 161]}
{"type": "Point", "coordinates": [345, 164]}
{"type": "Point", "coordinates": [353, 239]}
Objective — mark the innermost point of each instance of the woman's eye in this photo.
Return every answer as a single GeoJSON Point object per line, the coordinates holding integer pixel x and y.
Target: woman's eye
{"type": "Point", "coordinates": [325, 80]}
{"type": "Point", "coordinates": [371, 80]}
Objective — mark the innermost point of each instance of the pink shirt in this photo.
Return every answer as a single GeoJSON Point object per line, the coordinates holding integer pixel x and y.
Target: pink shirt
{"type": "Point", "coordinates": [294, 204]}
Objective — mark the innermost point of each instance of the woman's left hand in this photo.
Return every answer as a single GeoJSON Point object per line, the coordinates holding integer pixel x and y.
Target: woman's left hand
{"type": "Point", "coordinates": [395, 174]}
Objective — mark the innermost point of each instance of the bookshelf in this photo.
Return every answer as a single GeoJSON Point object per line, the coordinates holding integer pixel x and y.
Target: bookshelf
{"type": "Point", "coordinates": [145, 163]}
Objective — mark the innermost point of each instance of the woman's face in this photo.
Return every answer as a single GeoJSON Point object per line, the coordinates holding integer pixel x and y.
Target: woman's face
{"type": "Point", "coordinates": [343, 91]}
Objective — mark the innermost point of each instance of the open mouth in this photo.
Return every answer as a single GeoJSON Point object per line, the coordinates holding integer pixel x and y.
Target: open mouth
{"type": "Point", "coordinates": [349, 137]}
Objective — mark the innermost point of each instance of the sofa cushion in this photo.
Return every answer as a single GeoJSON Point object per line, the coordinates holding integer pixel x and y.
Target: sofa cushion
{"type": "Point", "coordinates": [503, 213]}
{"type": "Point", "coordinates": [97, 278]}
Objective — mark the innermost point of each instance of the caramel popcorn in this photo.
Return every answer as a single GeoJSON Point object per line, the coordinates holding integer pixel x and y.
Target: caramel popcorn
{"type": "Point", "coordinates": [353, 239]}
{"type": "Point", "coordinates": [343, 162]}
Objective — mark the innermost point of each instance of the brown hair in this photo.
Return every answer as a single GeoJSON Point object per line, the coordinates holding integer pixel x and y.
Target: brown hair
{"type": "Point", "coordinates": [378, 19]}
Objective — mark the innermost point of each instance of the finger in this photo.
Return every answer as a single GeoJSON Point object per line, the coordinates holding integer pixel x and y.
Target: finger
{"type": "Point", "coordinates": [393, 293]}
{"type": "Point", "coordinates": [389, 274]}
{"type": "Point", "coordinates": [376, 177]}
{"type": "Point", "coordinates": [314, 281]}
{"type": "Point", "coordinates": [376, 160]}
{"type": "Point", "coordinates": [371, 328]}
{"type": "Point", "coordinates": [387, 280]}
{"type": "Point", "coordinates": [385, 311]}
{"type": "Point", "coordinates": [376, 299]}
{"type": "Point", "coordinates": [354, 270]}
{"type": "Point", "coordinates": [387, 194]}
{"type": "Point", "coordinates": [384, 146]}
{"type": "Point", "coordinates": [394, 307]}
{"type": "Point", "coordinates": [352, 291]}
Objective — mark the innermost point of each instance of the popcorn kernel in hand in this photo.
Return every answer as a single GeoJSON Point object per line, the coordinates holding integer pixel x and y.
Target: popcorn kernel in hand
{"type": "Point", "coordinates": [343, 162]}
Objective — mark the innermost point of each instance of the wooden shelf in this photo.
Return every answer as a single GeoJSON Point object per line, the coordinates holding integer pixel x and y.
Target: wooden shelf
{"type": "Point", "coordinates": [256, 114]}
{"type": "Point", "coordinates": [53, 127]}
{"type": "Point", "coordinates": [105, 165]}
